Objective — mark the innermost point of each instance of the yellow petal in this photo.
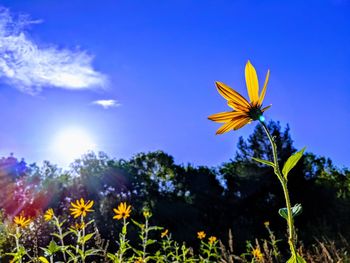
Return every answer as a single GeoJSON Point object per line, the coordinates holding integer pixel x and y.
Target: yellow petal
{"type": "Point", "coordinates": [251, 80]}
{"type": "Point", "coordinates": [262, 94]}
{"type": "Point", "coordinates": [240, 123]}
{"type": "Point", "coordinates": [267, 107]}
{"type": "Point", "coordinates": [230, 125]}
{"type": "Point", "coordinates": [224, 116]}
{"type": "Point", "coordinates": [89, 204]}
{"type": "Point", "coordinates": [226, 127]}
{"type": "Point", "coordinates": [237, 106]}
{"type": "Point", "coordinates": [74, 205]}
{"type": "Point", "coordinates": [117, 217]}
{"type": "Point", "coordinates": [230, 94]}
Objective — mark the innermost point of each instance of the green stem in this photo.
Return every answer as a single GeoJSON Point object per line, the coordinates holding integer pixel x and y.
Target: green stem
{"type": "Point", "coordinates": [61, 238]}
{"type": "Point", "coordinates": [144, 241]}
{"type": "Point", "coordinates": [283, 180]}
{"type": "Point", "coordinates": [17, 243]}
{"type": "Point", "coordinates": [82, 240]}
{"type": "Point", "coordinates": [122, 242]}
{"type": "Point", "coordinates": [77, 245]}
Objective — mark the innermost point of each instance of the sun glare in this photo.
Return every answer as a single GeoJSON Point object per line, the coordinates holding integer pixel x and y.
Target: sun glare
{"type": "Point", "coordinates": [70, 144]}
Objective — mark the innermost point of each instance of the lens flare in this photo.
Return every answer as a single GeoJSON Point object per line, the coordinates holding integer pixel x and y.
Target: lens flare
{"type": "Point", "coordinates": [72, 143]}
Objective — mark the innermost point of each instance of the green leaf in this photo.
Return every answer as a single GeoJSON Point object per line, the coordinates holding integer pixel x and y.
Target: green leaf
{"type": "Point", "coordinates": [87, 237]}
{"type": "Point", "coordinates": [46, 251]}
{"type": "Point", "coordinates": [137, 224]}
{"type": "Point", "coordinates": [124, 230]}
{"type": "Point", "coordinates": [112, 256]}
{"type": "Point", "coordinates": [81, 253]}
{"type": "Point", "coordinates": [90, 222]}
{"type": "Point", "coordinates": [264, 162]}
{"type": "Point", "coordinates": [151, 228]}
{"type": "Point", "coordinates": [63, 235]}
{"type": "Point", "coordinates": [296, 259]}
{"type": "Point", "coordinates": [292, 161]}
{"type": "Point", "coordinates": [61, 224]}
{"type": "Point", "coordinates": [150, 242]}
{"type": "Point", "coordinates": [44, 260]}
{"type": "Point", "coordinates": [71, 254]}
{"type": "Point", "coordinates": [296, 210]}
{"type": "Point", "coordinates": [53, 247]}
{"type": "Point", "coordinates": [91, 252]}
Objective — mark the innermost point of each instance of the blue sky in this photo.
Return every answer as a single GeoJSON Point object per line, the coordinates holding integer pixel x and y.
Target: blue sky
{"type": "Point", "coordinates": [158, 61]}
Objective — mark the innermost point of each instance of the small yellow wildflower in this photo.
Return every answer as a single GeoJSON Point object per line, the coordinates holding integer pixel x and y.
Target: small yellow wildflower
{"type": "Point", "coordinates": [212, 239]}
{"type": "Point", "coordinates": [123, 211]}
{"type": "Point", "coordinates": [257, 254]}
{"type": "Point", "coordinates": [201, 234]}
{"type": "Point", "coordinates": [146, 214]}
{"type": "Point", "coordinates": [78, 226]}
{"type": "Point", "coordinates": [243, 111]}
{"type": "Point", "coordinates": [49, 214]}
{"type": "Point", "coordinates": [266, 223]}
{"type": "Point", "coordinates": [80, 208]}
{"type": "Point", "coordinates": [164, 233]}
{"type": "Point", "coordinates": [21, 221]}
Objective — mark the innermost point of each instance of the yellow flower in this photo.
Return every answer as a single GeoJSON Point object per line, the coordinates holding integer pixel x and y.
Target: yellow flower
{"type": "Point", "coordinates": [21, 221]}
{"type": "Point", "coordinates": [49, 214]}
{"type": "Point", "coordinates": [212, 239]}
{"type": "Point", "coordinates": [164, 233]}
{"type": "Point", "coordinates": [123, 211]}
{"type": "Point", "coordinates": [257, 254]}
{"type": "Point", "coordinates": [266, 223]}
{"type": "Point", "coordinates": [201, 234]}
{"type": "Point", "coordinates": [146, 214]}
{"type": "Point", "coordinates": [243, 111]}
{"type": "Point", "coordinates": [80, 208]}
{"type": "Point", "coordinates": [78, 226]}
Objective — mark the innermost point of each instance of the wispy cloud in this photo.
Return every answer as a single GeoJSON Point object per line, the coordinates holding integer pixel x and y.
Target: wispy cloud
{"type": "Point", "coordinates": [30, 68]}
{"type": "Point", "coordinates": [107, 103]}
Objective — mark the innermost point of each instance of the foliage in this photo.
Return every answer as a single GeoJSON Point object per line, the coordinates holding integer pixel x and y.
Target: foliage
{"type": "Point", "coordinates": [239, 194]}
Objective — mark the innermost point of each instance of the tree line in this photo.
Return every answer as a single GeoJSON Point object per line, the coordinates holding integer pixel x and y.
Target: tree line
{"type": "Point", "coordinates": [239, 194]}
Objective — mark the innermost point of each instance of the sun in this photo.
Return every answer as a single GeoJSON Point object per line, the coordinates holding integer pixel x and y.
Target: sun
{"type": "Point", "coordinates": [71, 143]}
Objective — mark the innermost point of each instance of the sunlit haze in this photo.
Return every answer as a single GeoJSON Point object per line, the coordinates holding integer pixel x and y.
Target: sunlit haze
{"type": "Point", "coordinates": [70, 143]}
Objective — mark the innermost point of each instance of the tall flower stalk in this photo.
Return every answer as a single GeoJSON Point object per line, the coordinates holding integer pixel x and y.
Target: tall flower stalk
{"type": "Point", "coordinates": [21, 222]}
{"type": "Point", "coordinates": [244, 112]}
{"type": "Point", "coordinates": [80, 209]}
{"type": "Point", "coordinates": [122, 212]}
{"type": "Point", "coordinates": [18, 248]}
{"type": "Point", "coordinates": [283, 180]}
{"type": "Point", "coordinates": [50, 215]}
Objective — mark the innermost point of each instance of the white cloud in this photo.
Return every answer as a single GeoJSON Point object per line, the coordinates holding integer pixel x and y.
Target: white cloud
{"type": "Point", "coordinates": [30, 68]}
{"type": "Point", "coordinates": [107, 103]}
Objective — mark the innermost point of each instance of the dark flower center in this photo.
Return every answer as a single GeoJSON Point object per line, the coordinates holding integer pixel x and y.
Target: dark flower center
{"type": "Point", "coordinates": [255, 113]}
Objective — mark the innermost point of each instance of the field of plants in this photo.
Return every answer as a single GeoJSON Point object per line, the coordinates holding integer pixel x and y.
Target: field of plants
{"type": "Point", "coordinates": [271, 203]}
